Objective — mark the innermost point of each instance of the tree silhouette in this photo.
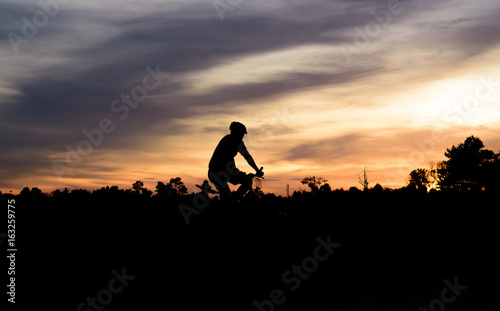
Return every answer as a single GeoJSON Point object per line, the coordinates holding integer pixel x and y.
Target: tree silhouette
{"type": "Point", "coordinates": [378, 188]}
{"type": "Point", "coordinates": [80, 194]}
{"type": "Point", "coordinates": [146, 192]}
{"type": "Point", "coordinates": [364, 182]}
{"type": "Point", "coordinates": [418, 179]}
{"type": "Point", "coordinates": [173, 189]}
{"type": "Point", "coordinates": [469, 167]}
{"type": "Point", "coordinates": [109, 193]}
{"type": "Point", "coordinates": [313, 182]}
{"type": "Point", "coordinates": [33, 193]}
{"type": "Point", "coordinates": [161, 190]}
{"type": "Point", "coordinates": [491, 180]}
{"type": "Point", "coordinates": [138, 186]}
{"type": "Point", "coordinates": [325, 188]}
{"type": "Point", "coordinates": [25, 192]}
{"type": "Point", "coordinates": [58, 194]}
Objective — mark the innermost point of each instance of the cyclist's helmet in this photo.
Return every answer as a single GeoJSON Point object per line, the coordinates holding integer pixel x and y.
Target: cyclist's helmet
{"type": "Point", "coordinates": [237, 127]}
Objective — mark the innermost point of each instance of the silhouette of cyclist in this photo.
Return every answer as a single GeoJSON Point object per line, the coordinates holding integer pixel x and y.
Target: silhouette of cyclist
{"type": "Point", "coordinates": [222, 168]}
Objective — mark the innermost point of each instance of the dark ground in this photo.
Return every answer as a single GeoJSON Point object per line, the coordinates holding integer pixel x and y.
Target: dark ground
{"type": "Point", "coordinates": [396, 250]}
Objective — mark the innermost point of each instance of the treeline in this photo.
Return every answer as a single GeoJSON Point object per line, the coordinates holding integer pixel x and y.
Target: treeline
{"type": "Point", "coordinates": [469, 167]}
{"type": "Point", "coordinates": [175, 188]}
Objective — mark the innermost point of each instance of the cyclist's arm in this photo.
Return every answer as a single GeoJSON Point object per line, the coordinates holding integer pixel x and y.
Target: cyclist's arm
{"type": "Point", "coordinates": [251, 162]}
{"type": "Point", "coordinates": [244, 152]}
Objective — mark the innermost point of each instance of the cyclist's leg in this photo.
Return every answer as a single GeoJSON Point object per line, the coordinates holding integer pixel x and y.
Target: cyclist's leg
{"type": "Point", "coordinates": [220, 180]}
{"type": "Point", "coordinates": [246, 183]}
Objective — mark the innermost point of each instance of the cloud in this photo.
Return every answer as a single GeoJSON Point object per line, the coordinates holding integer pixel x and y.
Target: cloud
{"type": "Point", "coordinates": [263, 54]}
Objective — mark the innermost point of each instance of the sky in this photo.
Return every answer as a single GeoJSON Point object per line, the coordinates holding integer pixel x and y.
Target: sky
{"type": "Point", "coordinates": [96, 93]}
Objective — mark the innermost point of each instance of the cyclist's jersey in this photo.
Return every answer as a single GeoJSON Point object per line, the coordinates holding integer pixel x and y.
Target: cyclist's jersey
{"type": "Point", "coordinates": [227, 149]}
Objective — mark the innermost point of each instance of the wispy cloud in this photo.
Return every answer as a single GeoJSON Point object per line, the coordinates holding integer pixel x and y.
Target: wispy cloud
{"type": "Point", "coordinates": [263, 56]}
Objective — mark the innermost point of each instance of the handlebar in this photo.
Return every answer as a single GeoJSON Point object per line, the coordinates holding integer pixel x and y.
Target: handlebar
{"type": "Point", "coordinates": [258, 177]}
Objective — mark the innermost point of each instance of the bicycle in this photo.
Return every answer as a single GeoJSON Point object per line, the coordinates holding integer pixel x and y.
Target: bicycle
{"type": "Point", "coordinates": [256, 183]}
{"type": "Point", "coordinates": [207, 189]}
